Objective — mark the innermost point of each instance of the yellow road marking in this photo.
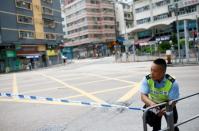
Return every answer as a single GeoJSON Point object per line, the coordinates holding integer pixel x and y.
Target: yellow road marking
{"type": "Point", "coordinates": [38, 102]}
{"type": "Point", "coordinates": [90, 82]}
{"type": "Point", "coordinates": [130, 93]}
{"type": "Point", "coordinates": [14, 87]}
{"type": "Point", "coordinates": [106, 77]}
{"type": "Point", "coordinates": [94, 98]}
{"type": "Point", "coordinates": [99, 92]}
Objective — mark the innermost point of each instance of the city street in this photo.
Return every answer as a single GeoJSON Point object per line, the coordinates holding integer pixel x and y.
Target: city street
{"type": "Point", "coordinates": [88, 80]}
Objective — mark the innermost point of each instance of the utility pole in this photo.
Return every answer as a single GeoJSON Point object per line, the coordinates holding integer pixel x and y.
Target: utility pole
{"type": "Point", "coordinates": [178, 34]}
{"type": "Point", "coordinates": [186, 40]}
{"type": "Point", "coordinates": [197, 36]}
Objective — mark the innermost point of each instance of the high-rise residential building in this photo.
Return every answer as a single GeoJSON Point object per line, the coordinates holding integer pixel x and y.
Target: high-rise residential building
{"type": "Point", "coordinates": [90, 26]}
{"type": "Point", "coordinates": [155, 20]}
{"type": "Point", "coordinates": [30, 32]}
{"type": "Point", "coordinates": [124, 17]}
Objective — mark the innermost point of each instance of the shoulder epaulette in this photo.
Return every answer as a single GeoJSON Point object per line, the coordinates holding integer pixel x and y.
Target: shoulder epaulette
{"type": "Point", "coordinates": [170, 78]}
{"type": "Point", "coordinates": [148, 77]}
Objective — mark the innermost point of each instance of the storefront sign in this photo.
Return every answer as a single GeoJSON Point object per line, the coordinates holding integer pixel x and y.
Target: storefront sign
{"type": "Point", "coordinates": [187, 3]}
{"type": "Point", "coordinates": [34, 56]}
{"type": "Point", "coordinates": [10, 53]}
{"type": "Point", "coordinates": [163, 38]}
{"type": "Point", "coordinates": [51, 53]}
{"type": "Point", "coordinates": [41, 48]}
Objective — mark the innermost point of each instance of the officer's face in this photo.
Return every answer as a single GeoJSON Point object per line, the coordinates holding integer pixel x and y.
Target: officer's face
{"type": "Point", "coordinates": [157, 72]}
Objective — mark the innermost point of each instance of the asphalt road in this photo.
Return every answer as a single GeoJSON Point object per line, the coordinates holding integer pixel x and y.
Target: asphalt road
{"type": "Point", "coordinates": [92, 80]}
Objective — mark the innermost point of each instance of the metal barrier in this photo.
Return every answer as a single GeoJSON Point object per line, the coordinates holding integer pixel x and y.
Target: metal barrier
{"type": "Point", "coordinates": [169, 114]}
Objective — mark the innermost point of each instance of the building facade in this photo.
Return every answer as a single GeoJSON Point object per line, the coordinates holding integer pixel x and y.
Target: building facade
{"type": "Point", "coordinates": [124, 16]}
{"type": "Point", "coordinates": [90, 26]}
{"type": "Point", "coordinates": [155, 20]}
{"type": "Point", "coordinates": [30, 31]}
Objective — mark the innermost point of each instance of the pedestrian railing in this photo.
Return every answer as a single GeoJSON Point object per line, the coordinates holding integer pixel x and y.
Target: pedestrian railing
{"type": "Point", "coordinates": [169, 114]}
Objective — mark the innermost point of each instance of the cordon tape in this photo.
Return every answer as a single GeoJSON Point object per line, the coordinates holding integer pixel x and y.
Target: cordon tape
{"type": "Point", "coordinates": [85, 103]}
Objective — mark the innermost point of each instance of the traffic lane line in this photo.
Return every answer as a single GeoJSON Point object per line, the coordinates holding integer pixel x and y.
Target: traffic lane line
{"type": "Point", "coordinates": [130, 93]}
{"type": "Point", "coordinates": [84, 93]}
{"type": "Point", "coordinates": [99, 92]}
{"type": "Point", "coordinates": [14, 87]}
{"type": "Point", "coordinates": [91, 82]}
{"type": "Point", "coordinates": [111, 78]}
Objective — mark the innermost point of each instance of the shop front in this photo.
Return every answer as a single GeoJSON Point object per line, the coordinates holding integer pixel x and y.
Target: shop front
{"type": "Point", "coordinates": [9, 61]}
{"type": "Point", "coordinates": [53, 57]}
{"type": "Point", "coordinates": [31, 57]}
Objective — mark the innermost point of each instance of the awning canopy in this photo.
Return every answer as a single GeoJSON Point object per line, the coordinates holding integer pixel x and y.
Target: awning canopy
{"type": "Point", "coordinates": [143, 41]}
{"type": "Point", "coordinates": [30, 55]}
{"type": "Point", "coordinates": [120, 39]}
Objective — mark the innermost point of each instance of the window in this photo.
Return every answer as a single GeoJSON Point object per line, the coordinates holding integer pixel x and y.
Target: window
{"type": "Point", "coordinates": [23, 4]}
{"type": "Point", "coordinates": [142, 9]}
{"type": "Point", "coordinates": [161, 3]}
{"type": "Point", "coordinates": [49, 23]}
{"type": "Point", "coordinates": [187, 10]}
{"type": "Point", "coordinates": [24, 19]}
{"type": "Point", "coordinates": [94, 1]}
{"type": "Point", "coordinates": [47, 11]}
{"type": "Point", "coordinates": [162, 16]}
{"type": "Point", "coordinates": [142, 21]}
{"type": "Point", "coordinates": [48, 1]}
{"type": "Point", "coordinates": [26, 34]}
{"type": "Point", "coordinates": [109, 18]}
{"type": "Point", "coordinates": [50, 36]}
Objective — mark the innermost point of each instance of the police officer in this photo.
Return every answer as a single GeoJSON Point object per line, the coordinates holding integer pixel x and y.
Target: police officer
{"type": "Point", "coordinates": [158, 87]}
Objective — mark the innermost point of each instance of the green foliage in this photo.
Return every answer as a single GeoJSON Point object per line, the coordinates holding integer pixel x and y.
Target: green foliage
{"type": "Point", "coordinates": [164, 46]}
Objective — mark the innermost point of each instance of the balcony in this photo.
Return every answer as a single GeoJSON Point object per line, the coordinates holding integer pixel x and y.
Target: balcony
{"type": "Point", "coordinates": [24, 34]}
{"type": "Point", "coordinates": [49, 23]}
{"type": "Point", "coordinates": [47, 11]}
{"type": "Point", "coordinates": [50, 36]}
{"type": "Point", "coordinates": [24, 19]}
{"type": "Point", "coordinates": [23, 4]}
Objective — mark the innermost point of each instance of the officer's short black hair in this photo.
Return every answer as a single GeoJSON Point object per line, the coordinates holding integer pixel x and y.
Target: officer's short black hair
{"type": "Point", "coordinates": [161, 62]}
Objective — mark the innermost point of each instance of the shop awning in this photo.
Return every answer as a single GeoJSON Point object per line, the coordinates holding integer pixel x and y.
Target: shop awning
{"type": "Point", "coordinates": [30, 55]}
{"type": "Point", "coordinates": [120, 39]}
{"type": "Point", "coordinates": [143, 41]}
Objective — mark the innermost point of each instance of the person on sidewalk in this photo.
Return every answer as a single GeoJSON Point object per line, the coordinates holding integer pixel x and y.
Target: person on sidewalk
{"type": "Point", "coordinates": [158, 87]}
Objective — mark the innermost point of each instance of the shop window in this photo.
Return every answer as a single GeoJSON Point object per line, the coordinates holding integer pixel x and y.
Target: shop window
{"type": "Point", "coordinates": [24, 19]}
{"type": "Point", "coordinates": [50, 36]}
{"type": "Point", "coordinates": [47, 11]}
{"type": "Point", "coordinates": [23, 4]}
{"type": "Point", "coordinates": [26, 34]}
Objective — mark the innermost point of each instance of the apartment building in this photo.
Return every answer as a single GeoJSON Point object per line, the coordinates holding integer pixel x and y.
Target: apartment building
{"type": "Point", "coordinates": [30, 32]}
{"type": "Point", "coordinates": [155, 20]}
{"type": "Point", "coordinates": [90, 26]}
{"type": "Point", "coordinates": [124, 16]}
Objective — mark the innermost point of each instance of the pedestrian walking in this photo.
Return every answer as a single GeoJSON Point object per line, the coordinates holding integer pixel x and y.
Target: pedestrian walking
{"type": "Point", "coordinates": [158, 87]}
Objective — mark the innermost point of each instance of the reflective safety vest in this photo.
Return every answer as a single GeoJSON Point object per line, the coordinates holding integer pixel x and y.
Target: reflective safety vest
{"type": "Point", "coordinates": [159, 95]}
